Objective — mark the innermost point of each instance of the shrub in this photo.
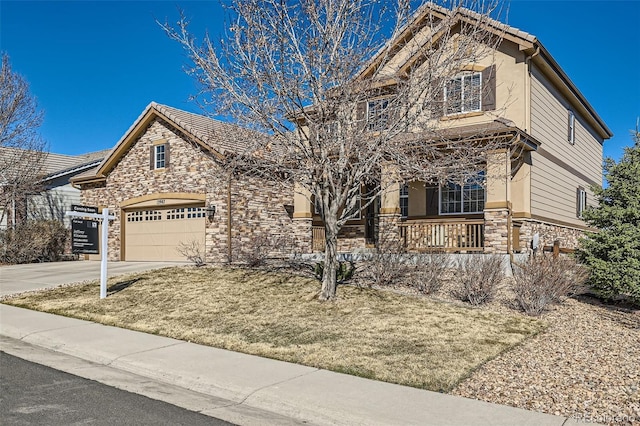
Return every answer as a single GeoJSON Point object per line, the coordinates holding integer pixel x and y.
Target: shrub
{"type": "Point", "coordinates": [388, 264]}
{"type": "Point", "coordinates": [259, 248]}
{"type": "Point", "coordinates": [478, 278]}
{"type": "Point", "coordinates": [34, 241]}
{"type": "Point", "coordinates": [193, 251]}
{"type": "Point", "coordinates": [543, 280]}
{"type": "Point", "coordinates": [613, 253]}
{"type": "Point", "coordinates": [429, 271]}
{"type": "Point", "coordinates": [344, 272]}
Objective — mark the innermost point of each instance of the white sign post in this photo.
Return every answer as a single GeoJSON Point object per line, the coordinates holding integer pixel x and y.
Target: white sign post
{"type": "Point", "coordinates": [105, 218]}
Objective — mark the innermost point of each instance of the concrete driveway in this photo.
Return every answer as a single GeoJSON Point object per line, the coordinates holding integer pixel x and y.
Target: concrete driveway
{"type": "Point", "coordinates": [33, 276]}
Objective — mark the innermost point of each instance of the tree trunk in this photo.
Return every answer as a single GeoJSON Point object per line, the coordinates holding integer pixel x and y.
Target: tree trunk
{"type": "Point", "coordinates": [330, 260]}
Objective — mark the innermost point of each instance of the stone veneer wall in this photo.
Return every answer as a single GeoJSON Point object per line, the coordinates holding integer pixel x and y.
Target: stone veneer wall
{"type": "Point", "coordinates": [389, 231]}
{"type": "Point", "coordinates": [496, 235]}
{"type": "Point", "coordinates": [257, 206]}
{"type": "Point", "coordinates": [548, 233]}
{"type": "Point", "coordinates": [259, 217]}
{"type": "Point", "coordinates": [351, 237]}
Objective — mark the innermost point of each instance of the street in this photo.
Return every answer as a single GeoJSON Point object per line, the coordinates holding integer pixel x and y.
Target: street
{"type": "Point", "coordinates": [32, 394]}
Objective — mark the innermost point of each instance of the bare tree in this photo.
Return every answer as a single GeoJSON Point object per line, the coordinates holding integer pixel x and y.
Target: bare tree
{"type": "Point", "coordinates": [338, 98]}
{"type": "Point", "coordinates": [22, 151]}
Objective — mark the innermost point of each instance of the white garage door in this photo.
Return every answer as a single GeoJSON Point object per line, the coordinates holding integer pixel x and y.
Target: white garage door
{"type": "Point", "coordinates": [155, 235]}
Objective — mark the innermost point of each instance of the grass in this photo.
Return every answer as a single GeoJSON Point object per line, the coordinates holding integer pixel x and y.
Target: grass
{"type": "Point", "coordinates": [370, 333]}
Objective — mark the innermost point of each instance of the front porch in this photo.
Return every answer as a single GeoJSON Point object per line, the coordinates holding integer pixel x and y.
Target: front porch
{"type": "Point", "coordinates": [425, 235]}
{"type": "Point", "coordinates": [473, 217]}
{"type": "Point", "coordinates": [451, 235]}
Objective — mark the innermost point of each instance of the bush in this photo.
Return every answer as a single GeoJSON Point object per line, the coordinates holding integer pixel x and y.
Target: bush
{"type": "Point", "coordinates": [478, 278]}
{"type": "Point", "coordinates": [388, 264]}
{"type": "Point", "coordinates": [543, 280]}
{"type": "Point", "coordinates": [36, 241]}
{"type": "Point", "coordinates": [429, 270]}
{"type": "Point", "coordinates": [259, 248]}
{"type": "Point", "coordinates": [193, 251]}
{"type": "Point", "coordinates": [344, 272]}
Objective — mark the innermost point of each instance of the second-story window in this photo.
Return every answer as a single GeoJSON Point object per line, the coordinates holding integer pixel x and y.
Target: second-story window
{"type": "Point", "coordinates": [378, 114]}
{"type": "Point", "coordinates": [160, 151]}
{"type": "Point", "coordinates": [463, 93]}
{"type": "Point", "coordinates": [571, 128]}
{"type": "Point", "coordinates": [159, 156]}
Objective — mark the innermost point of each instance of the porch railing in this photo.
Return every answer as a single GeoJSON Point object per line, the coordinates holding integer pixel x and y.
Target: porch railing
{"type": "Point", "coordinates": [317, 238]}
{"type": "Point", "coordinates": [443, 235]}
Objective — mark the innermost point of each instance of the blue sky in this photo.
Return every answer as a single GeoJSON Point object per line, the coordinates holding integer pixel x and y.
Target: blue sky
{"type": "Point", "coordinates": [95, 65]}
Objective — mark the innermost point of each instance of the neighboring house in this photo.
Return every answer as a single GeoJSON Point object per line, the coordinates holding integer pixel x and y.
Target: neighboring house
{"type": "Point", "coordinates": [45, 192]}
{"type": "Point", "coordinates": [164, 184]}
{"type": "Point", "coordinates": [539, 187]}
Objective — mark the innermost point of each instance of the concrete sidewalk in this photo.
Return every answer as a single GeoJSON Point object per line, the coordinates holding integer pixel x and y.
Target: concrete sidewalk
{"type": "Point", "coordinates": [241, 388]}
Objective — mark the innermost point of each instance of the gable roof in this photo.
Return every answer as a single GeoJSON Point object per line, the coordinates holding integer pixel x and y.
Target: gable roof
{"type": "Point", "coordinates": [202, 130]}
{"type": "Point", "coordinates": [527, 43]}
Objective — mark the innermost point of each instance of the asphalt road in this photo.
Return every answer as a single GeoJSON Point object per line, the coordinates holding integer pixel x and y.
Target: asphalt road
{"type": "Point", "coordinates": [32, 394]}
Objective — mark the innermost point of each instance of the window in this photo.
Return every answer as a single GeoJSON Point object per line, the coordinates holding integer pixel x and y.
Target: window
{"type": "Point", "coordinates": [404, 200]}
{"type": "Point", "coordinates": [581, 201]}
{"type": "Point", "coordinates": [159, 156]}
{"type": "Point", "coordinates": [463, 93]}
{"type": "Point", "coordinates": [378, 114]}
{"type": "Point", "coordinates": [571, 134]}
{"type": "Point", "coordinates": [468, 198]}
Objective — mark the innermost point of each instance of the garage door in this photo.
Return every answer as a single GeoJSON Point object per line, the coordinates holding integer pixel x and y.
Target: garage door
{"type": "Point", "coordinates": [155, 235]}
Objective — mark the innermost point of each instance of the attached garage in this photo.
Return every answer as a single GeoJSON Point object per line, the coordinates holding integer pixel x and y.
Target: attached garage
{"type": "Point", "coordinates": [152, 234]}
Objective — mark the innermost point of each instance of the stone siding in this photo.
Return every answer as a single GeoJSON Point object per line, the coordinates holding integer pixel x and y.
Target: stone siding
{"type": "Point", "coordinates": [548, 233]}
{"type": "Point", "coordinates": [496, 235]}
{"type": "Point", "coordinates": [257, 205]}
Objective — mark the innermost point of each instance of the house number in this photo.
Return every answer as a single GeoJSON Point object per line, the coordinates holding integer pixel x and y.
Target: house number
{"type": "Point", "coordinates": [162, 201]}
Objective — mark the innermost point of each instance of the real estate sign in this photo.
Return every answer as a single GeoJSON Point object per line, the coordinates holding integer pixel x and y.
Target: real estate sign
{"type": "Point", "coordinates": [85, 239]}
{"type": "Point", "coordinates": [84, 236]}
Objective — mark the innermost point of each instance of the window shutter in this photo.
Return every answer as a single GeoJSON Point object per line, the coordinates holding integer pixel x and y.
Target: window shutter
{"type": "Point", "coordinates": [152, 157]}
{"type": "Point", "coordinates": [489, 88]}
{"type": "Point", "coordinates": [438, 106]}
{"type": "Point", "coordinates": [166, 155]}
{"type": "Point", "coordinates": [361, 115]}
{"type": "Point", "coordinates": [433, 193]}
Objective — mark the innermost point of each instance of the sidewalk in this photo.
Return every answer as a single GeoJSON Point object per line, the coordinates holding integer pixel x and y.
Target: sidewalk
{"type": "Point", "coordinates": [241, 388]}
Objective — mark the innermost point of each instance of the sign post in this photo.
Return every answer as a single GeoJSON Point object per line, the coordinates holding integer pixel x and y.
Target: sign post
{"type": "Point", "coordinates": [85, 236]}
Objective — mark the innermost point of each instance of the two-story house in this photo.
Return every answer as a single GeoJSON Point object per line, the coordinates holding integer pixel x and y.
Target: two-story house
{"type": "Point", "coordinates": [165, 185]}
{"type": "Point", "coordinates": [532, 192]}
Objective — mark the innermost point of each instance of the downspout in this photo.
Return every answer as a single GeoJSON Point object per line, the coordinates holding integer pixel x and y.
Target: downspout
{"type": "Point", "coordinates": [229, 220]}
{"type": "Point", "coordinates": [527, 89]}
{"type": "Point", "coordinates": [527, 117]}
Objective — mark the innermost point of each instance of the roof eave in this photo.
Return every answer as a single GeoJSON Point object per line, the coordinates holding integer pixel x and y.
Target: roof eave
{"type": "Point", "coordinates": [150, 113]}
{"type": "Point", "coordinates": [552, 69]}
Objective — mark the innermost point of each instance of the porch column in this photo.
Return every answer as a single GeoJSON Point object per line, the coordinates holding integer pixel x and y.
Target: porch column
{"type": "Point", "coordinates": [521, 209]}
{"type": "Point", "coordinates": [389, 218]}
{"type": "Point", "coordinates": [497, 211]}
{"type": "Point", "coordinates": [302, 218]}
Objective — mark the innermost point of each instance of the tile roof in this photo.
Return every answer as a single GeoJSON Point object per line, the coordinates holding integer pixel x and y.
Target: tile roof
{"type": "Point", "coordinates": [52, 164]}
{"type": "Point", "coordinates": [220, 136]}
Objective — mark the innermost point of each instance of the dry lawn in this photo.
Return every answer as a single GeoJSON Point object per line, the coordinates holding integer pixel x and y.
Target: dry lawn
{"type": "Point", "coordinates": [371, 333]}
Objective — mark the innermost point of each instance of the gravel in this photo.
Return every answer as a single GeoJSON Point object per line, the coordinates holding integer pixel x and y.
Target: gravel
{"type": "Point", "coordinates": [586, 365]}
